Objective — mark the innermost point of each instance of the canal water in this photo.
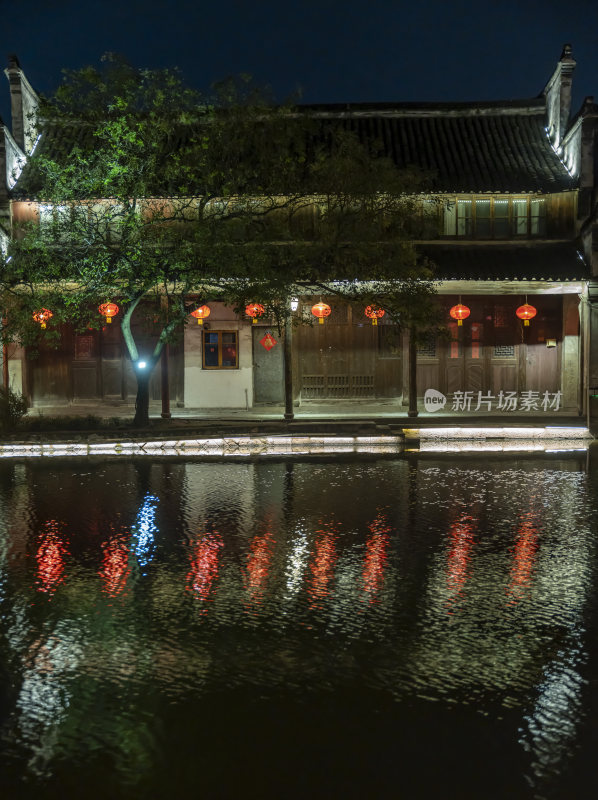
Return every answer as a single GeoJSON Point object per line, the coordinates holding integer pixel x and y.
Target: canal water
{"type": "Point", "coordinates": [406, 627]}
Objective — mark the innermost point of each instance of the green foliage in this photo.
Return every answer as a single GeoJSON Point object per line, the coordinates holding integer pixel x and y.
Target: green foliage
{"type": "Point", "coordinates": [148, 192]}
{"type": "Point", "coordinates": [40, 423]}
{"type": "Point", "coordinates": [13, 406]}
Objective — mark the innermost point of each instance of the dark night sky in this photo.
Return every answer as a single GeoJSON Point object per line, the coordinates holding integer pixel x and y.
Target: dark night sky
{"type": "Point", "coordinates": [333, 50]}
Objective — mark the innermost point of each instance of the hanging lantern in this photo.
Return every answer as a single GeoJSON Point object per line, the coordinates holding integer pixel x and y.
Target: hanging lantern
{"type": "Point", "coordinates": [459, 312]}
{"type": "Point", "coordinates": [42, 316]}
{"type": "Point", "coordinates": [526, 312]}
{"type": "Point", "coordinates": [201, 313]}
{"type": "Point", "coordinates": [321, 310]}
{"type": "Point", "coordinates": [374, 314]}
{"type": "Point", "coordinates": [255, 310]}
{"type": "Point", "coordinates": [108, 310]}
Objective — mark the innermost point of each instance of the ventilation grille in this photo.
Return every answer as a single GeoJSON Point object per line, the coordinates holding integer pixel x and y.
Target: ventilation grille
{"type": "Point", "coordinates": [314, 387]}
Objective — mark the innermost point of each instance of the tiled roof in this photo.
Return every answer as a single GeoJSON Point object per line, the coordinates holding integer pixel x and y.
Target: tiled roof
{"type": "Point", "coordinates": [465, 147]}
{"type": "Point", "coordinates": [462, 147]}
{"type": "Point", "coordinates": [545, 261]}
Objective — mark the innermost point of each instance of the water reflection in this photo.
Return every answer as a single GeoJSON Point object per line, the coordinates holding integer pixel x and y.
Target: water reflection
{"type": "Point", "coordinates": [259, 562]}
{"type": "Point", "coordinates": [50, 558]}
{"type": "Point", "coordinates": [461, 536]}
{"type": "Point", "coordinates": [144, 531]}
{"type": "Point", "coordinates": [116, 563]}
{"type": "Point", "coordinates": [296, 563]}
{"type": "Point", "coordinates": [376, 555]}
{"type": "Point", "coordinates": [322, 563]}
{"type": "Point", "coordinates": [524, 558]}
{"type": "Point", "coordinates": [205, 553]}
{"type": "Point", "coordinates": [396, 591]}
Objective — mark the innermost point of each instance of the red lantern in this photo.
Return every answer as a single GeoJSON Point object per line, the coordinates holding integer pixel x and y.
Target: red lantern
{"type": "Point", "coordinates": [201, 313]}
{"type": "Point", "coordinates": [321, 310]}
{"type": "Point", "coordinates": [374, 314]}
{"type": "Point", "coordinates": [526, 312]}
{"type": "Point", "coordinates": [255, 310]}
{"type": "Point", "coordinates": [109, 310]}
{"type": "Point", "coordinates": [42, 316]}
{"type": "Point", "coordinates": [459, 312]}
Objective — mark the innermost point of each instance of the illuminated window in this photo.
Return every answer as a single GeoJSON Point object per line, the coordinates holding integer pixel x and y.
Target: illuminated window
{"type": "Point", "coordinates": [55, 221]}
{"type": "Point", "coordinates": [537, 217]}
{"type": "Point", "coordinates": [501, 219]}
{"type": "Point", "coordinates": [483, 219]}
{"type": "Point", "coordinates": [520, 217]}
{"type": "Point", "coordinates": [495, 217]}
{"type": "Point", "coordinates": [220, 350]}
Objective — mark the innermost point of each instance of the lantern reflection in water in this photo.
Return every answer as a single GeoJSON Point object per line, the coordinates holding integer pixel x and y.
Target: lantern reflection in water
{"type": "Point", "coordinates": [376, 555]}
{"type": "Point", "coordinates": [524, 559]}
{"type": "Point", "coordinates": [258, 565]}
{"type": "Point", "coordinates": [322, 564]}
{"type": "Point", "coordinates": [204, 566]}
{"type": "Point", "coordinates": [50, 559]}
{"type": "Point", "coordinates": [461, 543]}
{"type": "Point", "coordinates": [116, 566]}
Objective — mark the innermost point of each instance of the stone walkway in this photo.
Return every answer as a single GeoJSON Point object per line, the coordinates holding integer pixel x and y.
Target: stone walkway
{"type": "Point", "coordinates": [358, 417]}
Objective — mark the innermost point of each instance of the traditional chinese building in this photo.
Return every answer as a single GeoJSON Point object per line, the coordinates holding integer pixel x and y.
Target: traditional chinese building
{"type": "Point", "coordinates": [516, 226]}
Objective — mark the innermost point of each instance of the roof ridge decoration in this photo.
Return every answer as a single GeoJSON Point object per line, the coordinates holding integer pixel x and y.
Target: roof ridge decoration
{"type": "Point", "coordinates": [557, 95]}
{"type": "Point", "coordinates": [24, 103]}
{"type": "Point", "coordinates": [533, 107]}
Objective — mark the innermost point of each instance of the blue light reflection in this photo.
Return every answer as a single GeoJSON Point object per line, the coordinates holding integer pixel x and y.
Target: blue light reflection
{"type": "Point", "coordinates": [144, 531]}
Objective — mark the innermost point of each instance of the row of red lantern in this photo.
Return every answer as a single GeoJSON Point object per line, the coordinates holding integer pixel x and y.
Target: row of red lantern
{"type": "Point", "coordinates": [253, 310]}
{"type": "Point", "coordinates": [524, 312]}
{"type": "Point", "coordinates": [319, 310]}
{"type": "Point", "coordinates": [108, 310]}
{"type": "Point", "coordinates": [322, 310]}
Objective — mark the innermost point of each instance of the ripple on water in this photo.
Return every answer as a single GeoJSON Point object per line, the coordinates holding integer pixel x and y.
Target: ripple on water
{"type": "Point", "coordinates": [137, 597]}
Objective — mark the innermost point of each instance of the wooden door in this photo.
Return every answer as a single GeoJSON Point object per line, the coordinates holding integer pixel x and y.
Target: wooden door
{"type": "Point", "coordinates": [111, 347]}
{"type": "Point", "coordinates": [337, 359]}
{"type": "Point", "coordinates": [268, 367]}
{"type": "Point", "coordinates": [494, 351]}
{"type": "Point", "coordinates": [85, 366]}
{"type": "Point", "coordinates": [542, 346]}
{"type": "Point", "coordinates": [49, 370]}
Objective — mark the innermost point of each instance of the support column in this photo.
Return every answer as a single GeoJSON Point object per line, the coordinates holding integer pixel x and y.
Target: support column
{"type": "Point", "coordinates": [288, 369]}
{"type": "Point", "coordinates": [5, 376]}
{"type": "Point", "coordinates": [412, 375]}
{"type": "Point", "coordinates": [590, 381]}
{"type": "Point", "coordinates": [165, 382]}
{"type": "Point", "coordinates": [164, 364]}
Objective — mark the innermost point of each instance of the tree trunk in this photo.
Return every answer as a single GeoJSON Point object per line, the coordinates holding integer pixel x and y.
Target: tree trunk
{"type": "Point", "coordinates": [143, 368]}
{"type": "Point", "coordinates": [141, 418]}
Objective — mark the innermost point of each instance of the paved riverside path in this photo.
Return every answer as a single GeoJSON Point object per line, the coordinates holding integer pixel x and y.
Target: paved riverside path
{"type": "Point", "coordinates": [332, 417]}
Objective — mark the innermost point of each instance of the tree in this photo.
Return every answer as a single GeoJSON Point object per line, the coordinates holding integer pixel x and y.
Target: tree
{"type": "Point", "coordinates": [153, 195]}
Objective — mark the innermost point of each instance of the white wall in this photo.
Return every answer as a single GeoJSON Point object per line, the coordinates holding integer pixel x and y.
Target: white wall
{"type": "Point", "coordinates": [218, 388]}
{"type": "Point", "coordinates": [16, 356]}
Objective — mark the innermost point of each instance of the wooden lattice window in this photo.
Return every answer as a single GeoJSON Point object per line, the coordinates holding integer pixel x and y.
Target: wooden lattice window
{"type": "Point", "coordinates": [495, 217]}
{"type": "Point", "coordinates": [220, 350]}
{"type": "Point", "coordinates": [504, 351]}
